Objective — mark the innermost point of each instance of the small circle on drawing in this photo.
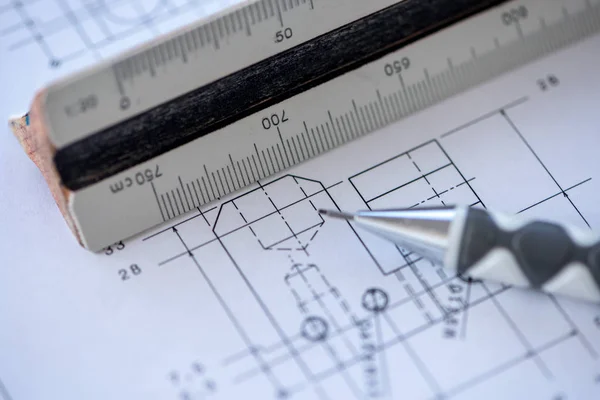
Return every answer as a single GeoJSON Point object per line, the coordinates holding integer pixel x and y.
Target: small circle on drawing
{"type": "Point", "coordinates": [54, 63]}
{"type": "Point", "coordinates": [314, 329]}
{"type": "Point", "coordinates": [125, 103]}
{"type": "Point", "coordinates": [375, 300]}
{"type": "Point", "coordinates": [282, 394]}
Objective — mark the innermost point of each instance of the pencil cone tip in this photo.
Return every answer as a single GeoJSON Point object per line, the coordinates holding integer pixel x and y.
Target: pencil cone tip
{"type": "Point", "coordinates": [336, 214]}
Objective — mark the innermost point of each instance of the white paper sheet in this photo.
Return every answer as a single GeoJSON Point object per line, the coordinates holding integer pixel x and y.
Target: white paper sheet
{"type": "Point", "coordinates": [257, 296]}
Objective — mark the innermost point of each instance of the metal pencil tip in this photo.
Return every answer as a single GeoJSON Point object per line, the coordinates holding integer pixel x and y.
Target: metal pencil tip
{"type": "Point", "coordinates": [336, 214]}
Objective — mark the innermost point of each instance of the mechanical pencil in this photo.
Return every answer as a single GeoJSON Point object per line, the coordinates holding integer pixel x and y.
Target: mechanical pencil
{"type": "Point", "coordinates": [487, 245]}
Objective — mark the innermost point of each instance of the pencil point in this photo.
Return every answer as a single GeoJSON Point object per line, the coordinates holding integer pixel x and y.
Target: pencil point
{"type": "Point", "coordinates": [336, 214]}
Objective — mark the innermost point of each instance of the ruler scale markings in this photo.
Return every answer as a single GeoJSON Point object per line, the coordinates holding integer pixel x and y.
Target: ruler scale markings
{"type": "Point", "coordinates": [208, 194]}
{"type": "Point", "coordinates": [386, 119]}
{"type": "Point", "coordinates": [355, 109]}
{"type": "Point", "coordinates": [162, 197]}
{"type": "Point", "coordinates": [329, 134]}
{"type": "Point", "coordinates": [354, 126]}
{"type": "Point", "coordinates": [414, 91]}
{"type": "Point", "coordinates": [176, 48]}
{"type": "Point", "coordinates": [213, 35]}
{"type": "Point", "coordinates": [278, 9]}
{"type": "Point", "coordinates": [226, 21]}
{"type": "Point", "coordinates": [271, 161]}
{"type": "Point", "coordinates": [255, 168]}
{"type": "Point", "coordinates": [410, 99]}
{"type": "Point", "coordinates": [259, 160]}
{"type": "Point", "coordinates": [157, 201]}
{"type": "Point", "coordinates": [235, 172]}
{"type": "Point", "coordinates": [246, 22]}
{"type": "Point", "coordinates": [360, 118]}
{"type": "Point", "coordinates": [303, 151]}
{"type": "Point", "coordinates": [233, 22]}
{"type": "Point", "coordinates": [284, 149]}
{"type": "Point", "coordinates": [404, 96]}
{"type": "Point", "coordinates": [183, 209]}
{"type": "Point", "coordinates": [169, 49]}
{"type": "Point", "coordinates": [439, 90]}
{"type": "Point", "coordinates": [339, 128]}
{"type": "Point", "coordinates": [337, 134]}
{"type": "Point", "coordinates": [181, 49]}
{"type": "Point", "coordinates": [220, 190]}
{"type": "Point", "coordinates": [240, 19]}
{"type": "Point", "coordinates": [174, 201]}
{"type": "Point", "coordinates": [282, 165]}
{"type": "Point", "coordinates": [200, 202]}
{"type": "Point", "coordinates": [184, 194]}
{"type": "Point", "coordinates": [392, 110]}
{"type": "Point", "coordinates": [245, 175]}
{"type": "Point", "coordinates": [271, 8]}
{"type": "Point", "coordinates": [245, 178]}
{"type": "Point", "coordinates": [214, 180]}
{"type": "Point", "coordinates": [256, 7]}
{"type": "Point", "coordinates": [309, 141]}
{"type": "Point", "coordinates": [322, 139]}
{"type": "Point", "coordinates": [423, 93]}
{"type": "Point", "coordinates": [310, 154]}
{"type": "Point", "coordinates": [248, 167]}
{"type": "Point", "coordinates": [364, 113]}
{"type": "Point", "coordinates": [289, 146]}
{"type": "Point", "coordinates": [376, 112]}
{"type": "Point", "coordinates": [299, 146]}
{"type": "Point", "coordinates": [428, 87]}
{"type": "Point", "coordinates": [212, 190]}
{"type": "Point", "coordinates": [346, 125]}
{"type": "Point", "coordinates": [227, 182]}
{"type": "Point", "coordinates": [264, 9]}
{"type": "Point", "coordinates": [189, 43]}
{"type": "Point", "coordinates": [220, 22]}
{"type": "Point", "coordinates": [230, 179]}
{"type": "Point", "coordinates": [312, 132]}
{"type": "Point", "coordinates": [194, 205]}
{"type": "Point", "coordinates": [161, 53]}
{"type": "Point", "coordinates": [172, 213]}
{"type": "Point", "coordinates": [266, 163]}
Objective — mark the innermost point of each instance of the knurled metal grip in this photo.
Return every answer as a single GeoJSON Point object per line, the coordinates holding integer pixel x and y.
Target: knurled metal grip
{"type": "Point", "coordinates": [528, 253]}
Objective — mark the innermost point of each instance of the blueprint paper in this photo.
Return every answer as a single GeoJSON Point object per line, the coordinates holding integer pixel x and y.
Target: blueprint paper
{"type": "Point", "coordinates": [256, 295]}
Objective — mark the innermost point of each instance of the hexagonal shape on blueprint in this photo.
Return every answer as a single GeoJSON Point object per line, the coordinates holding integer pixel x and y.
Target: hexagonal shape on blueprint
{"type": "Point", "coordinates": [285, 191]}
{"type": "Point", "coordinates": [254, 205]}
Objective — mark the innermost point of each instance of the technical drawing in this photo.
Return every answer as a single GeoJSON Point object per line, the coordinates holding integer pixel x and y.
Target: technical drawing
{"type": "Point", "coordinates": [321, 328]}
